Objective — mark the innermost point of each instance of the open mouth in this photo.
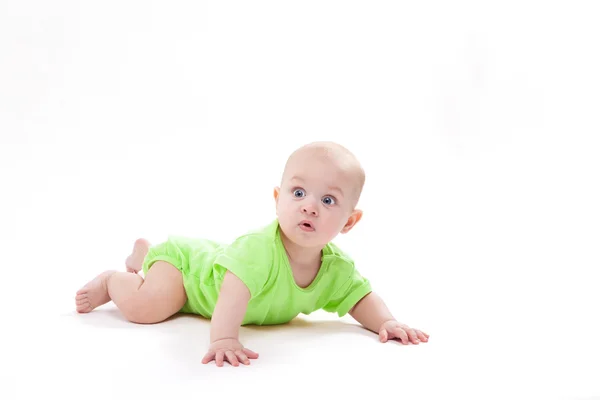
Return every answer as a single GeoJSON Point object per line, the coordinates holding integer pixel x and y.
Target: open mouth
{"type": "Point", "coordinates": [307, 225]}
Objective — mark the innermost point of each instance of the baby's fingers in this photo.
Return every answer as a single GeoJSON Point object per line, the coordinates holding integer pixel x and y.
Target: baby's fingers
{"type": "Point", "coordinates": [208, 357]}
{"type": "Point", "coordinates": [383, 335]}
{"type": "Point", "coordinates": [242, 357]}
{"type": "Point", "coordinates": [250, 353]}
{"type": "Point", "coordinates": [422, 336]}
{"type": "Point", "coordinates": [219, 358]}
{"type": "Point", "coordinates": [412, 335]}
{"type": "Point", "coordinates": [232, 358]}
{"type": "Point", "coordinates": [401, 334]}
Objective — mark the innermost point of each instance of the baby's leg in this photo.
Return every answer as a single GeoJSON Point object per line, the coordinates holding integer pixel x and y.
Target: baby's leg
{"type": "Point", "coordinates": [88, 298]}
{"type": "Point", "coordinates": [144, 301]}
{"type": "Point", "coordinates": [134, 262]}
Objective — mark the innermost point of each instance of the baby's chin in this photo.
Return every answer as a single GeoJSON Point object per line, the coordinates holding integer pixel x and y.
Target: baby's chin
{"type": "Point", "coordinates": [308, 240]}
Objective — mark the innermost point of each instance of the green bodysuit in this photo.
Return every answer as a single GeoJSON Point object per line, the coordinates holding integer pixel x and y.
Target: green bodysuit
{"type": "Point", "coordinates": [259, 259]}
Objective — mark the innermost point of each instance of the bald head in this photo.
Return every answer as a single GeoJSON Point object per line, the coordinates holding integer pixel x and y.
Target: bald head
{"type": "Point", "coordinates": [334, 154]}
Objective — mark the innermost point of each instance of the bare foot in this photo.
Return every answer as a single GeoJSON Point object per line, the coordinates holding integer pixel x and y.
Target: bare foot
{"type": "Point", "coordinates": [93, 294]}
{"type": "Point", "coordinates": [135, 260]}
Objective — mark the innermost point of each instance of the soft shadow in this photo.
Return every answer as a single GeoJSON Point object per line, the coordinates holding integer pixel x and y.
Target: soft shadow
{"type": "Point", "coordinates": [195, 327]}
{"type": "Point", "coordinates": [111, 318]}
{"type": "Point", "coordinates": [183, 339]}
{"type": "Point", "coordinates": [301, 326]}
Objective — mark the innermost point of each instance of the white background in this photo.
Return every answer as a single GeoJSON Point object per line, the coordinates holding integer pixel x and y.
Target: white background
{"type": "Point", "coordinates": [477, 125]}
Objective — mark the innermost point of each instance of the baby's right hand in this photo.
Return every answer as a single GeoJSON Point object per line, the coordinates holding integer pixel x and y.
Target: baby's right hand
{"type": "Point", "coordinates": [231, 349]}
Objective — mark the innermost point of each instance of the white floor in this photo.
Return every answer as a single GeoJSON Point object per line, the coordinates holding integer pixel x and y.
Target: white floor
{"type": "Point", "coordinates": [477, 125]}
{"type": "Point", "coordinates": [52, 350]}
{"type": "Point", "coordinates": [493, 334]}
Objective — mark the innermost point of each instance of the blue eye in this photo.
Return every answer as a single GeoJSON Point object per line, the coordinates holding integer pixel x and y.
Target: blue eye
{"type": "Point", "coordinates": [328, 200]}
{"type": "Point", "coordinates": [299, 193]}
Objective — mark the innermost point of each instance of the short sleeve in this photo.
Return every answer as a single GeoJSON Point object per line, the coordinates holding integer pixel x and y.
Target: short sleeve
{"type": "Point", "coordinates": [250, 258]}
{"type": "Point", "coordinates": [351, 292]}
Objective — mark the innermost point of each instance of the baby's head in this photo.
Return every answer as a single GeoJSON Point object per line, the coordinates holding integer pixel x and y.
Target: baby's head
{"type": "Point", "coordinates": [321, 185]}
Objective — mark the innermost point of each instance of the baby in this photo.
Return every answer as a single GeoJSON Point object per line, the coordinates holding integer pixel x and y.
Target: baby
{"type": "Point", "coordinates": [266, 276]}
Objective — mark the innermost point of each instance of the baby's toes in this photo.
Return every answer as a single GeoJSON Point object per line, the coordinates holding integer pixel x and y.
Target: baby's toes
{"type": "Point", "coordinates": [81, 301]}
{"type": "Point", "coordinates": [82, 294]}
{"type": "Point", "coordinates": [84, 307]}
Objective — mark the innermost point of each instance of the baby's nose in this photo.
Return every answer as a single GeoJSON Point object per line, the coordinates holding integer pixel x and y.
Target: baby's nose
{"type": "Point", "coordinates": [309, 209]}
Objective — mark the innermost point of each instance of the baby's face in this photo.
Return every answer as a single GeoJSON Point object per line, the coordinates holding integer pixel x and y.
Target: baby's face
{"type": "Point", "coordinates": [315, 201]}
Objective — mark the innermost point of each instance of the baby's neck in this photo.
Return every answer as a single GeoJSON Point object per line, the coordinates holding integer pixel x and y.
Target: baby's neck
{"type": "Point", "coordinates": [302, 256]}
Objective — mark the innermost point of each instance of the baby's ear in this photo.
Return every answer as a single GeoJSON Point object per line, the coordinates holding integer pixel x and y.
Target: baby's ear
{"type": "Point", "coordinates": [352, 220]}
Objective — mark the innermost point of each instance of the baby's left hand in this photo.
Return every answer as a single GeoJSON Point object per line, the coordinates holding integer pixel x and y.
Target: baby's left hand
{"type": "Point", "coordinates": [394, 329]}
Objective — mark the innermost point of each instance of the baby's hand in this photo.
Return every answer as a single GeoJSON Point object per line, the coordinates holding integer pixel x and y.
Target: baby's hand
{"type": "Point", "coordinates": [231, 349]}
{"type": "Point", "coordinates": [394, 329]}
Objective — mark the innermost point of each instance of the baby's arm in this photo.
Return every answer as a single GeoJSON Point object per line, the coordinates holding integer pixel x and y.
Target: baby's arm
{"type": "Point", "coordinates": [226, 321]}
{"type": "Point", "coordinates": [372, 313]}
{"type": "Point", "coordinates": [230, 309]}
